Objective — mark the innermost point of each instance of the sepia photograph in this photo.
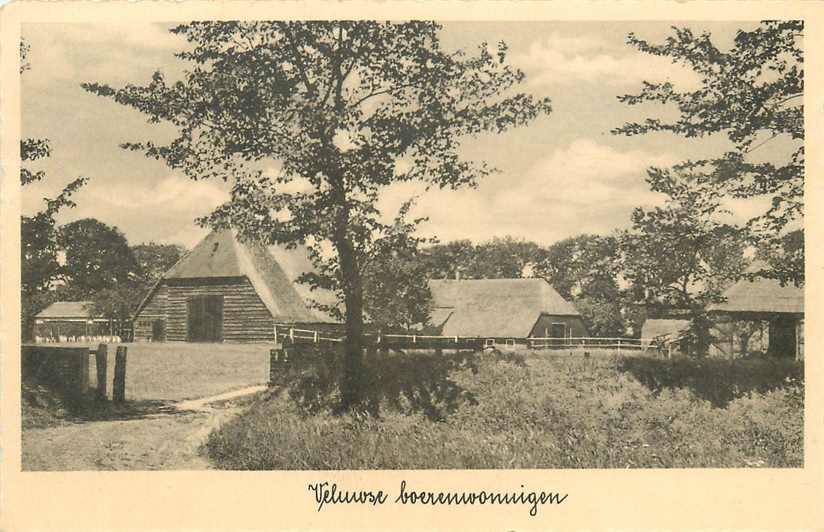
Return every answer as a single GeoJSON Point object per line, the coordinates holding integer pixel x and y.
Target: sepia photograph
{"type": "Point", "coordinates": [335, 245]}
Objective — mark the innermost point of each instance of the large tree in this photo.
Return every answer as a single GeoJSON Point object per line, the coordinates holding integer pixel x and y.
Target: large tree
{"type": "Point", "coordinates": [346, 108]}
{"type": "Point", "coordinates": [97, 257]}
{"type": "Point", "coordinates": [682, 255]}
{"type": "Point", "coordinates": [752, 94]}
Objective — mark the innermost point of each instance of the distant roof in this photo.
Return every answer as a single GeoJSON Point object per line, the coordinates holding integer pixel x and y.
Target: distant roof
{"type": "Point", "coordinates": [663, 327]}
{"type": "Point", "coordinates": [494, 307]}
{"type": "Point", "coordinates": [221, 254]}
{"type": "Point", "coordinates": [67, 309]}
{"type": "Point", "coordinates": [762, 296]}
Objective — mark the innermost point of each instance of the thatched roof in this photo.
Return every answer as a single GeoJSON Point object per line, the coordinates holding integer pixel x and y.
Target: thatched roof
{"type": "Point", "coordinates": [761, 295]}
{"type": "Point", "coordinates": [222, 255]}
{"type": "Point", "coordinates": [66, 309]}
{"type": "Point", "coordinates": [494, 307]}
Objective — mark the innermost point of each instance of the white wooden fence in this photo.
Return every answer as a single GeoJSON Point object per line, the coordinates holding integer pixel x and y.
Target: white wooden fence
{"type": "Point", "coordinates": [309, 336]}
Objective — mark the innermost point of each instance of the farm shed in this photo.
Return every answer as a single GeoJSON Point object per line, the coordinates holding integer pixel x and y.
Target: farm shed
{"type": "Point", "coordinates": [502, 309]}
{"type": "Point", "coordinates": [760, 305]}
{"type": "Point", "coordinates": [227, 290]}
{"type": "Point", "coordinates": [666, 329]}
{"type": "Point", "coordinates": [69, 319]}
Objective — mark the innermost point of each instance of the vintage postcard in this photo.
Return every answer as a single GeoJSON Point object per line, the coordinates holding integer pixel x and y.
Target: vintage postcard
{"type": "Point", "coordinates": [404, 265]}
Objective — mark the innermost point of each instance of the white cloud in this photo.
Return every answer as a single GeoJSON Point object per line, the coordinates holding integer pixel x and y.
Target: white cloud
{"type": "Point", "coordinates": [581, 187]}
{"type": "Point", "coordinates": [188, 236]}
{"type": "Point", "coordinates": [172, 193]}
{"type": "Point", "coordinates": [562, 60]}
{"type": "Point", "coordinates": [585, 173]}
{"type": "Point", "coordinates": [83, 52]}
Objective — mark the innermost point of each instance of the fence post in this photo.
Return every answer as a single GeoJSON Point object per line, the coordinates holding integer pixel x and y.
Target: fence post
{"type": "Point", "coordinates": [101, 363]}
{"type": "Point", "coordinates": [119, 384]}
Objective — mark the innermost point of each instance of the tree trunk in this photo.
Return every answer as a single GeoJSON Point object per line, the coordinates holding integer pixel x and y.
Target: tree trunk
{"type": "Point", "coordinates": [352, 385]}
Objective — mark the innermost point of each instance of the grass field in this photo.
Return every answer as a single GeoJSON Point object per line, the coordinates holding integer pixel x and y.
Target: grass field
{"type": "Point", "coordinates": [176, 371]}
{"type": "Point", "coordinates": [540, 411]}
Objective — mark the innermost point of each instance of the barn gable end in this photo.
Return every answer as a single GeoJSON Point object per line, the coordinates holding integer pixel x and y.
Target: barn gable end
{"type": "Point", "coordinates": [223, 290]}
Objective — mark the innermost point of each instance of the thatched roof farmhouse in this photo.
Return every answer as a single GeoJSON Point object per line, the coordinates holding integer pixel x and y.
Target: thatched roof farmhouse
{"type": "Point", "coordinates": [502, 308]}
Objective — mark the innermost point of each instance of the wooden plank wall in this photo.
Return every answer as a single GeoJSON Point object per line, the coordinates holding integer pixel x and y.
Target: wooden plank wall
{"type": "Point", "coordinates": [155, 309]}
{"type": "Point", "coordinates": [245, 317]}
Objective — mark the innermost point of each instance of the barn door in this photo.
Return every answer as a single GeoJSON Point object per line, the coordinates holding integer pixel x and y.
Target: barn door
{"type": "Point", "coordinates": [205, 318]}
{"type": "Point", "coordinates": [158, 330]}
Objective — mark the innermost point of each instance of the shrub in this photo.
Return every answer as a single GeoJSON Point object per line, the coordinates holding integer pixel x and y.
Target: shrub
{"type": "Point", "coordinates": [395, 380]}
{"type": "Point", "coordinates": [716, 380]}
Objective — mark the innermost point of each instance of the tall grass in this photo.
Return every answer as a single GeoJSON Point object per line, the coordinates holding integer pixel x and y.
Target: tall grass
{"type": "Point", "coordinates": [546, 411]}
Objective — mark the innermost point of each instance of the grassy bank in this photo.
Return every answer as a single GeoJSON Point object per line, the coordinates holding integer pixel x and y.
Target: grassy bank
{"type": "Point", "coordinates": [545, 411]}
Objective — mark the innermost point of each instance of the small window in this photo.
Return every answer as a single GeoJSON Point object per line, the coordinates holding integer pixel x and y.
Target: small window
{"type": "Point", "coordinates": [489, 342]}
{"type": "Point", "coordinates": [510, 342]}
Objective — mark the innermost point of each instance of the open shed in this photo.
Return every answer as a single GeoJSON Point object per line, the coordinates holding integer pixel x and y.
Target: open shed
{"type": "Point", "coordinates": [69, 319]}
{"type": "Point", "coordinates": [780, 308]}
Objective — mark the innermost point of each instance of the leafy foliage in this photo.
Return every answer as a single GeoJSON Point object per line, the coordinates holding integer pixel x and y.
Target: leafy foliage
{"type": "Point", "coordinates": [98, 257]}
{"type": "Point", "coordinates": [751, 94]}
{"type": "Point", "coordinates": [340, 105]}
{"type": "Point", "coordinates": [153, 260]}
{"type": "Point", "coordinates": [499, 258]}
{"type": "Point", "coordinates": [395, 382]}
{"type": "Point", "coordinates": [680, 256]}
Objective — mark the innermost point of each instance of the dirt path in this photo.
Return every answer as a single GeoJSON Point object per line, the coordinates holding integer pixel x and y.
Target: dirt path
{"type": "Point", "coordinates": [166, 440]}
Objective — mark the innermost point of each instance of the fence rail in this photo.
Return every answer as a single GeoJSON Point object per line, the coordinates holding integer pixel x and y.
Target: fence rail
{"type": "Point", "coordinates": [307, 336]}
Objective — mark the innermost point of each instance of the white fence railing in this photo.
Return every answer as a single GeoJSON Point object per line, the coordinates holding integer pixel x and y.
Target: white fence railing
{"type": "Point", "coordinates": [302, 336]}
{"type": "Point", "coordinates": [63, 339]}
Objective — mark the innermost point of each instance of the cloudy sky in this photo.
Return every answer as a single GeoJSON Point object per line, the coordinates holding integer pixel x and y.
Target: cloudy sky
{"type": "Point", "coordinates": [565, 174]}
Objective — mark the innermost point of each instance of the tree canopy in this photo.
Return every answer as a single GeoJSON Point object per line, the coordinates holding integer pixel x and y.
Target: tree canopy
{"type": "Point", "coordinates": [753, 95]}
{"type": "Point", "coordinates": [498, 258]}
{"type": "Point", "coordinates": [97, 257]}
{"type": "Point", "coordinates": [345, 108]}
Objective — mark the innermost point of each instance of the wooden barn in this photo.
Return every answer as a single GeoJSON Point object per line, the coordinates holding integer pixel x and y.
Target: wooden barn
{"type": "Point", "coordinates": [502, 309]}
{"type": "Point", "coordinates": [226, 290]}
{"type": "Point", "coordinates": [761, 309]}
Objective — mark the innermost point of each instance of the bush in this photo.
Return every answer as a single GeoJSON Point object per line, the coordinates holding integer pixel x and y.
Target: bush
{"type": "Point", "coordinates": [396, 381]}
{"type": "Point", "coordinates": [716, 380]}
{"type": "Point", "coordinates": [549, 411]}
